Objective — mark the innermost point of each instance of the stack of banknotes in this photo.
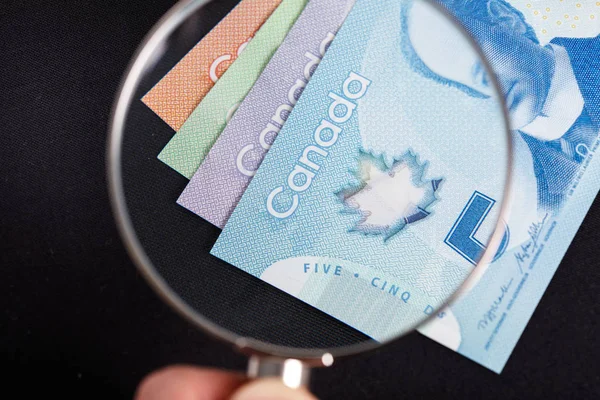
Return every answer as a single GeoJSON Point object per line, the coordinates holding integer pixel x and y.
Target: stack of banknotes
{"type": "Point", "coordinates": [332, 147]}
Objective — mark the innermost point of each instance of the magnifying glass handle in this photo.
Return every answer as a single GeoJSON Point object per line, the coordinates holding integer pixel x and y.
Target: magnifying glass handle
{"type": "Point", "coordinates": [294, 373]}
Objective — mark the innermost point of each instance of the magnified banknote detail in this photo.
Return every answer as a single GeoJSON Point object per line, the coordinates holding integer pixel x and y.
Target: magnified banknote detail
{"type": "Point", "coordinates": [179, 92]}
{"type": "Point", "coordinates": [550, 76]}
{"type": "Point", "coordinates": [186, 150]}
{"type": "Point", "coordinates": [374, 167]}
{"type": "Point", "coordinates": [240, 148]}
{"type": "Point", "coordinates": [389, 197]}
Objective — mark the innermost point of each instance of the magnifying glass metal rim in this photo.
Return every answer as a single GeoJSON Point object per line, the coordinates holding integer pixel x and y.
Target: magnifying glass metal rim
{"type": "Point", "coordinates": [254, 347]}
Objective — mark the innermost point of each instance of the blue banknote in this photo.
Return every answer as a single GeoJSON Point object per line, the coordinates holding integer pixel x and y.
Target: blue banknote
{"type": "Point", "coordinates": [382, 189]}
{"type": "Point", "coordinates": [547, 61]}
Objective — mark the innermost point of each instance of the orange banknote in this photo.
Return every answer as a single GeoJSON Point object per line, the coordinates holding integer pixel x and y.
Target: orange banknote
{"type": "Point", "coordinates": [181, 90]}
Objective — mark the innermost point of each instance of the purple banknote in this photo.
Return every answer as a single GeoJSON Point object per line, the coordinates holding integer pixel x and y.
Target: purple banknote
{"type": "Point", "coordinates": [219, 183]}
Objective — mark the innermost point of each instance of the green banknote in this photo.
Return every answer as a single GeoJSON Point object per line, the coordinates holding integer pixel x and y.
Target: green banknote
{"type": "Point", "coordinates": [186, 150]}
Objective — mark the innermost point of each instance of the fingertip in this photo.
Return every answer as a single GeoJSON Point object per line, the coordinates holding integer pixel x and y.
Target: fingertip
{"type": "Point", "coordinates": [163, 384]}
{"type": "Point", "coordinates": [271, 389]}
{"type": "Point", "coordinates": [188, 383]}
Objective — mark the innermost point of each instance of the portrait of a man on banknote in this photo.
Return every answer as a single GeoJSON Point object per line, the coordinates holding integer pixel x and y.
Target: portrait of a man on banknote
{"type": "Point", "coordinates": [552, 95]}
{"type": "Point", "coordinates": [551, 91]}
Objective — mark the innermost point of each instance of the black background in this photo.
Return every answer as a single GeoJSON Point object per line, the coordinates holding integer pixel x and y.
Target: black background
{"type": "Point", "coordinates": [77, 319]}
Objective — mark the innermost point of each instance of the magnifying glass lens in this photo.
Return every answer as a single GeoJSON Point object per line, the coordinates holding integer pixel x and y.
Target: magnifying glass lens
{"type": "Point", "coordinates": [376, 189]}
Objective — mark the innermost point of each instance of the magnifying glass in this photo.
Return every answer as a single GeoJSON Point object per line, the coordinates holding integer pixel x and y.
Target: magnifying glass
{"type": "Point", "coordinates": [454, 91]}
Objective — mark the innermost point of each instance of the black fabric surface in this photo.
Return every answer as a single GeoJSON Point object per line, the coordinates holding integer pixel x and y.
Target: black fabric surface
{"type": "Point", "coordinates": [77, 318]}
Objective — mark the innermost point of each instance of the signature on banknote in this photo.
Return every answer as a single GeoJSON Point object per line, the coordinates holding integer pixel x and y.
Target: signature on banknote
{"type": "Point", "coordinates": [529, 248]}
{"type": "Point", "coordinates": [491, 314]}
